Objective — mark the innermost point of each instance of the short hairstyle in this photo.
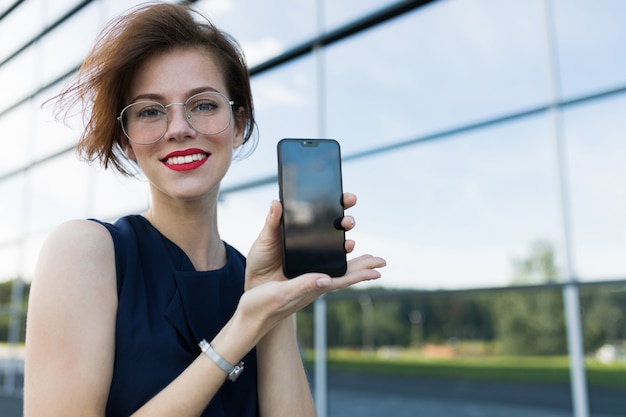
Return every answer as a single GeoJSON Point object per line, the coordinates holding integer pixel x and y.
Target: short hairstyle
{"type": "Point", "coordinates": [105, 76]}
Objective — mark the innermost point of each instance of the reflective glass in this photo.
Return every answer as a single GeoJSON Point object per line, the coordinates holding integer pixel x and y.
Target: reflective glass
{"type": "Point", "coordinates": [454, 213]}
{"type": "Point", "coordinates": [590, 51]}
{"type": "Point", "coordinates": [66, 46]}
{"type": "Point", "coordinates": [263, 31]}
{"type": "Point", "coordinates": [596, 153]}
{"type": "Point", "coordinates": [50, 135]}
{"type": "Point", "coordinates": [9, 255]}
{"type": "Point", "coordinates": [284, 101]}
{"type": "Point", "coordinates": [15, 139]}
{"type": "Point", "coordinates": [338, 13]}
{"type": "Point", "coordinates": [53, 10]}
{"type": "Point", "coordinates": [59, 191]}
{"type": "Point", "coordinates": [16, 78]}
{"type": "Point", "coordinates": [452, 64]}
{"type": "Point", "coordinates": [20, 26]}
{"type": "Point", "coordinates": [116, 196]}
{"type": "Point", "coordinates": [12, 209]}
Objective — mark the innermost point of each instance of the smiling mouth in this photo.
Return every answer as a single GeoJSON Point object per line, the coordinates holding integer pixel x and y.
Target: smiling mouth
{"type": "Point", "coordinates": [187, 159]}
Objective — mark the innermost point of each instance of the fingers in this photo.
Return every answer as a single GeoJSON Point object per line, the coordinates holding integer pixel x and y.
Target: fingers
{"type": "Point", "coordinates": [272, 301]}
{"type": "Point", "coordinates": [363, 268]}
{"type": "Point", "coordinates": [348, 223]}
{"type": "Point", "coordinates": [264, 260]}
{"type": "Point", "coordinates": [273, 217]}
{"type": "Point", "coordinates": [272, 222]}
{"type": "Point", "coordinates": [348, 200]}
{"type": "Point", "coordinates": [349, 245]}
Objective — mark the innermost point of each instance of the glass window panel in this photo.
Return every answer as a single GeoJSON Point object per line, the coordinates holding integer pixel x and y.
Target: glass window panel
{"type": "Point", "coordinates": [115, 196]}
{"type": "Point", "coordinates": [11, 213]}
{"type": "Point", "coordinates": [591, 44]}
{"type": "Point", "coordinates": [16, 138]}
{"type": "Point", "coordinates": [285, 106]}
{"type": "Point", "coordinates": [51, 135]}
{"type": "Point", "coordinates": [58, 192]}
{"type": "Point", "coordinates": [242, 215]}
{"type": "Point", "coordinates": [16, 78]}
{"type": "Point", "coordinates": [456, 212]}
{"type": "Point", "coordinates": [20, 26]}
{"type": "Point", "coordinates": [9, 255]}
{"type": "Point", "coordinates": [113, 8]}
{"type": "Point", "coordinates": [53, 10]}
{"type": "Point", "coordinates": [5, 4]}
{"type": "Point", "coordinates": [596, 153]}
{"type": "Point", "coordinates": [30, 252]}
{"type": "Point", "coordinates": [338, 13]}
{"type": "Point", "coordinates": [263, 31]}
{"type": "Point", "coordinates": [465, 65]}
{"type": "Point", "coordinates": [66, 46]}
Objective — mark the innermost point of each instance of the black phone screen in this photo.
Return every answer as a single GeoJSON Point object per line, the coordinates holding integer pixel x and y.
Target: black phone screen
{"type": "Point", "coordinates": [309, 177]}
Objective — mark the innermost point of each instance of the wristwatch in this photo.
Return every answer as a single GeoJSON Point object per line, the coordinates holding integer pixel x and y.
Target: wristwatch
{"type": "Point", "coordinates": [232, 371]}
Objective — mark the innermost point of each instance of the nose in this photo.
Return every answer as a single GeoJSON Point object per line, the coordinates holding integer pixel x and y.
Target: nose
{"type": "Point", "coordinates": [178, 126]}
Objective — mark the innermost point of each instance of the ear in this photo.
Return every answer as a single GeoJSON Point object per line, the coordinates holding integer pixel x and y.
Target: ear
{"type": "Point", "coordinates": [239, 128]}
{"type": "Point", "coordinates": [128, 150]}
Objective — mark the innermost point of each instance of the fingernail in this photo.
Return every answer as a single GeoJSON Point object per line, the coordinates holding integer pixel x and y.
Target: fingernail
{"type": "Point", "coordinates": [323, 282]}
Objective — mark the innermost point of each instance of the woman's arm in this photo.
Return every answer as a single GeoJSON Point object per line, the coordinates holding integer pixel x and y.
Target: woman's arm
{"type": "Point", "coordinates": [70, 339]}
{"type": "Point", "coordinates": [70, 324]}
{"type": "Point", "coordinates": [283, 387]}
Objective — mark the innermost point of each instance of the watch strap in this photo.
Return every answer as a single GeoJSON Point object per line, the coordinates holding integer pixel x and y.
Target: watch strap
{"type": "Point", "coordinates": [233, 372]}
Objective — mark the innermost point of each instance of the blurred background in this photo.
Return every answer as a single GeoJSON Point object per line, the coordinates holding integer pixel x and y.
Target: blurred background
{"type": "Point", "coordinates": [485, 140]}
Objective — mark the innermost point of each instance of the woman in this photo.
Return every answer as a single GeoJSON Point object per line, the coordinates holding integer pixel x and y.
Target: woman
{"type": "Point", "coordinates": [151, 316]}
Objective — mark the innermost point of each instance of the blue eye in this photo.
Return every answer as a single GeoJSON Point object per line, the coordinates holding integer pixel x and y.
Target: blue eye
{"type": "Point", "coordinates": [149, 113]}
{"type": "Point", "coordinates": [204, 106]}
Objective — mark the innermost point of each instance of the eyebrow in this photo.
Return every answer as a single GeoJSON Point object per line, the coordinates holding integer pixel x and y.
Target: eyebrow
{"type": "Point", "coordinates": [159, 97]}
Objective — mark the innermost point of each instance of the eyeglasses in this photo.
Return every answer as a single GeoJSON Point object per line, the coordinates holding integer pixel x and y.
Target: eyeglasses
{"type": "Point", "coordinates": [145, 122]}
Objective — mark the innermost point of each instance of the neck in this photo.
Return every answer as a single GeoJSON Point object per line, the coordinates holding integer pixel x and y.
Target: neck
{"type": "Point", "coordinates": [193, 227]}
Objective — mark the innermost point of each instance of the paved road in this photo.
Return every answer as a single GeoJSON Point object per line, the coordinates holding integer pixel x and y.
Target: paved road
{"type": "Point", "coordinates": [352, 395]}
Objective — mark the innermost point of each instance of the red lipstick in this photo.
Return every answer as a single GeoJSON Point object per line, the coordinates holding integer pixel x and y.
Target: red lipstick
{"type": "Point", "coordinates": [185, 160]}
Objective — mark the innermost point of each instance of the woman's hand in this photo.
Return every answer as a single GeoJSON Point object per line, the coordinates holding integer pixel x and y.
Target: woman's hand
{"type": "Point", "coordinates": [273, 301]}
{"type": "Point", "coordinates": [264, 261]}
{"type": "Point", "coordinates": [270, 297]}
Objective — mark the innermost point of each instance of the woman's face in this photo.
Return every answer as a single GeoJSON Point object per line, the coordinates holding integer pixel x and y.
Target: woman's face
{"type": "Point", "coordinates": [184, 164]}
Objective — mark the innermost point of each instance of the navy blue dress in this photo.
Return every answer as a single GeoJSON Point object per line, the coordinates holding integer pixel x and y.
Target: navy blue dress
{"type": "Point", "coordinates": [165, 308]}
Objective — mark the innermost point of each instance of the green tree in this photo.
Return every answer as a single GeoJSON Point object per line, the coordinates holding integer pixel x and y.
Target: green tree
{"type": "Point", "coordinates": [538, 266]}
{"type": "Point", "coordinates": [6, 293]}
{"type": "Point", "coordinates": [531, 322]}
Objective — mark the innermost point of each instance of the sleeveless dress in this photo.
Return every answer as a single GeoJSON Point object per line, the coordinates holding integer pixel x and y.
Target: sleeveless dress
{"type": "Point", "coordinates": [165, 307]}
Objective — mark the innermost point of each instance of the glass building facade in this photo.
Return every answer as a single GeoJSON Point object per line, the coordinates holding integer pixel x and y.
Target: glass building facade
{"type": "Point", "coordinates": [470, 131]}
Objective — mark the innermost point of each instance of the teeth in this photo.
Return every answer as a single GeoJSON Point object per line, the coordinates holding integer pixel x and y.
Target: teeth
{"type": "Point", "coordinates": [178, 160]}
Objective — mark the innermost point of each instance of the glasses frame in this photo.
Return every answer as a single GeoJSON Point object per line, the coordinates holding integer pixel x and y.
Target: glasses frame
{"type": "Point", "coordinates": [167, 116]}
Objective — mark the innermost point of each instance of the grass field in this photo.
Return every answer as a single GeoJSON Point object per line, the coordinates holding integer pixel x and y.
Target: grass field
{"type": "Point", "coordinates": [494, 368]}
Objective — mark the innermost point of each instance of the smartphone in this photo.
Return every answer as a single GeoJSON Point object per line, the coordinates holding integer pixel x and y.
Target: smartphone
{"type": "Point", "coordinates": [311, 192]}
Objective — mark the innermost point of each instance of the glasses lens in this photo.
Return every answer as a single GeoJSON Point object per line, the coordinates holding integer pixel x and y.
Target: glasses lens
{"type": "Point", "coordinates": [144, 121]}
{"type": "Point", "coordinates": [209, 113]}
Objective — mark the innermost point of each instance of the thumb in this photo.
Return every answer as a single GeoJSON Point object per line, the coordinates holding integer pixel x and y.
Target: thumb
{"type": "Point", "coordinates": [272, 221]}
{"type": "Point", "coordinates": [271, 228]}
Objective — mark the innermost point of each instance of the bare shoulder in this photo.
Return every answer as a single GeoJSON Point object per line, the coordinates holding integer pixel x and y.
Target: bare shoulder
{"type": "Point", "coordinates": [70, 337]}
{"type": "Point", "coordinates": [78, 252]}
{"type": "Point", "coordinates": [82, 235]}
